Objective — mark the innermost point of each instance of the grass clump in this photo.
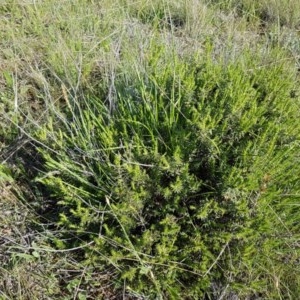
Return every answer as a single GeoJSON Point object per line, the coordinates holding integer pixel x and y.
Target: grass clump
{"type": "Point", "coordinates": [284, 13]}
{"type": "Point", "coordinates": [185, 178]}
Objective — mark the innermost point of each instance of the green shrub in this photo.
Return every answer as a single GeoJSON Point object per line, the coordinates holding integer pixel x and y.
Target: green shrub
{"type": "Point", "coordinates": [188, 183]}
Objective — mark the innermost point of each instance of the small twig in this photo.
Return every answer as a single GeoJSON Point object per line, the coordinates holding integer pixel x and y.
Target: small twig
{"type": "Point", "coordinates": [49, 249]}
{"type": "Point", "coordinates": [223, 292]}
{"type": "Point", "coordinates": [216, 260]}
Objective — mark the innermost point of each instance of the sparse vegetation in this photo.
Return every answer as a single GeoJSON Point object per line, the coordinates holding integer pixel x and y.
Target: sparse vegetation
{"type": "Point", "coordinates": [149, 150]}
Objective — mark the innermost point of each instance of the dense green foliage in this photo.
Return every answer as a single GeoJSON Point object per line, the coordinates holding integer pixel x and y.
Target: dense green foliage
{"type": "Point", "coordinates": [149, 150]}
{"type": "Point", "coordinates": [184, 178]}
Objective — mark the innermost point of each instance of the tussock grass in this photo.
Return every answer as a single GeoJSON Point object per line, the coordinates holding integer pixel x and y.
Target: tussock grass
{"type": "Point", "coordinates": [151, 148]}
